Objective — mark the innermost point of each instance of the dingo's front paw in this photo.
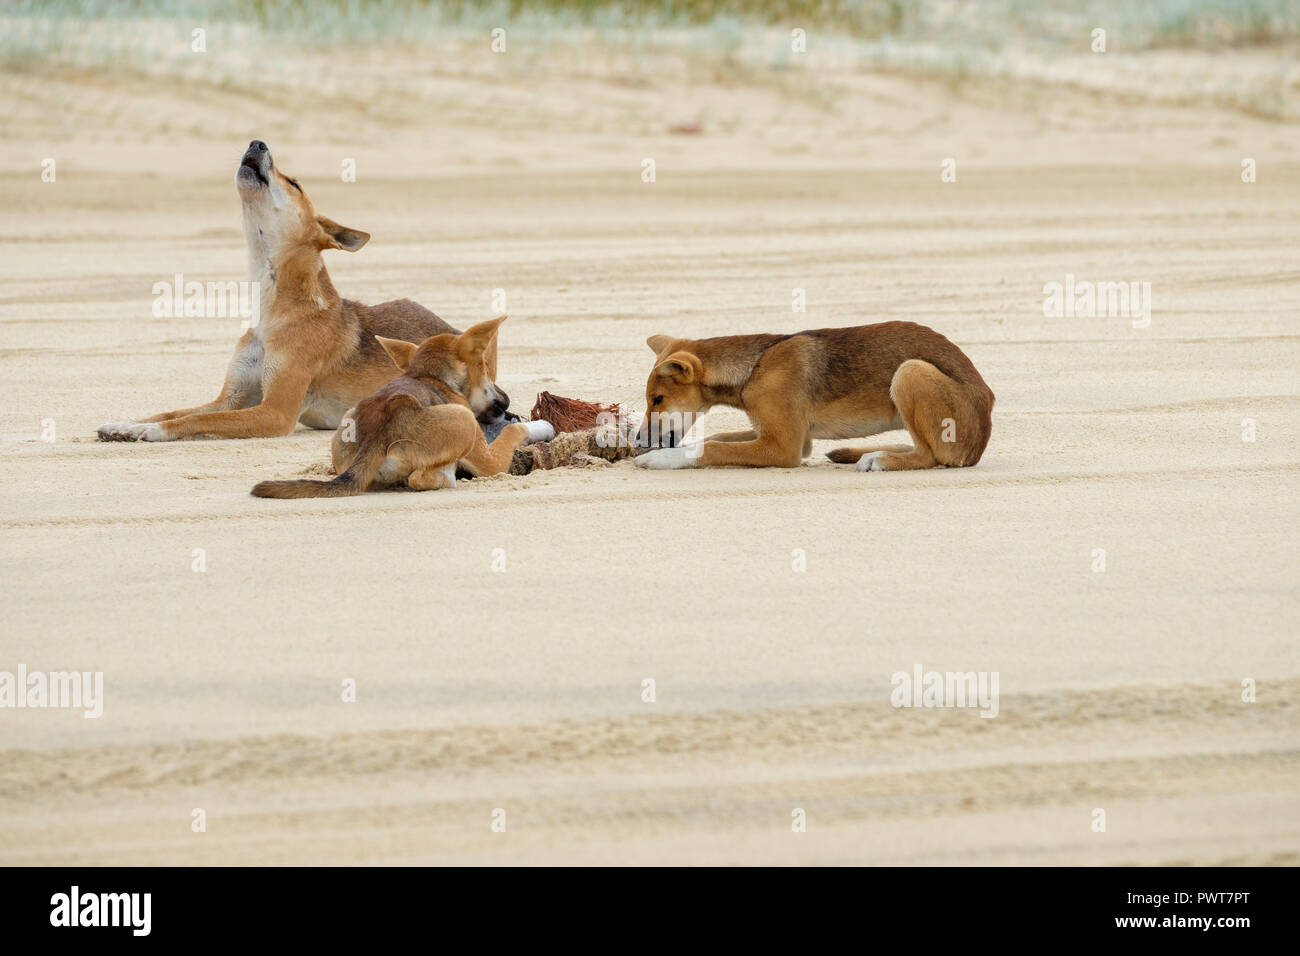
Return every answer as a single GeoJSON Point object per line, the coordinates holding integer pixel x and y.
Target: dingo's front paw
{"type": "Point", "coordinates": [539, 431]}
{"type": "Point", "coordinates": [663, 458]}
{"type": "Point", "coordinates": [871, 461]}
{"type": "Point", "coordinates": [132, 431]}
{"type": "Point", "coordinates": [120, 431]}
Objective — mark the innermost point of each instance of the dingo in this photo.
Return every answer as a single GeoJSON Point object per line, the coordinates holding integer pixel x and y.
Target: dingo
{"type": "Point", "coordinates": [420, 426]}
{"type": "Point", "coordinates": [312, 354]}
{"type": "Point", "coordinates": [825, 383]}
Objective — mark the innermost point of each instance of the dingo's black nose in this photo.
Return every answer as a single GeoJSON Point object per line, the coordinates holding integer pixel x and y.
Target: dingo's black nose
{"type": "Point", "coordinates": [257, 145]}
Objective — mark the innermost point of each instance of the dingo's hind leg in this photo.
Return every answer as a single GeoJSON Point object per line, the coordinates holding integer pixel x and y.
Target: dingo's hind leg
{"type": "Point", "coordinates": [432, 443]}
{"type": "Point", "coordinates": [849, 456]}
{"type": "Point", "coordinates": [432, 479]}
{"type": "Point", "coordinates": [940, 414]}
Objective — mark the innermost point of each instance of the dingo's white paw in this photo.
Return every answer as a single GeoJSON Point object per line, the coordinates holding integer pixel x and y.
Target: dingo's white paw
{"type": "Point", "coordinates": [132, 431]}
{"type": "Point", "coordinates": [124, 431]}
{"type": "Point", "coordinates": [871, 461]}
{"type": "Point", "coordinates": [109, 431]}
{"type": "Point", "coordinates": [540, 431]}
{"type": "Point", "coordinates": [663, 458]}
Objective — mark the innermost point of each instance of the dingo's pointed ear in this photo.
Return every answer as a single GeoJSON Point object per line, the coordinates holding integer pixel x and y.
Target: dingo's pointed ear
{"type": "Point", "coordinates": [479, 337]}
{"type": "Point", "coordinates": [658, 343]}
{"type": "Point", "coordinates": [488, 328]}
{"type": "Point", "coordinates": [400, 352]}
{"type": "Point", "coordinates": [341, 237]}
{"type": "Point", "coordinates": [682, 367]}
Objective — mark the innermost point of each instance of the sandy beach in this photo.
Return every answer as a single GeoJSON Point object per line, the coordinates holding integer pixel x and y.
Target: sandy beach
{"type": "Point", "coordinates": [769, 607]}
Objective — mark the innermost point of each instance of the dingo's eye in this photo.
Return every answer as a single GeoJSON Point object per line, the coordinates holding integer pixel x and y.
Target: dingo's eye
{"type": "Point", "coordinates": [659, 400]}
{"type": "Point", "coordinates": [293, 183]}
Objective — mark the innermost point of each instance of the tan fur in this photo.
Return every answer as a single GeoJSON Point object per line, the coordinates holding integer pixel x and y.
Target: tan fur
{"type": "Point", "coordinates": [312, 354]}
{"type": "Point", "coordinates": [420, 427]}
{"type": "Point", "coordinates": [823, 383]}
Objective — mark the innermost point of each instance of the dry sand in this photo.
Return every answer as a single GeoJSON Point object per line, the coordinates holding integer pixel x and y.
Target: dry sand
{"type": "Point", "coordinates": [522, 690]}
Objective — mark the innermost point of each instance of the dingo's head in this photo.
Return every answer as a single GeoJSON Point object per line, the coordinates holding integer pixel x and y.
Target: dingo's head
{"type": "Point", "coordinates": [279, 219]}
{"type": "Point", "coordinates": [458, 361]}
{"type": "Point", "coordinates": [673, 394]}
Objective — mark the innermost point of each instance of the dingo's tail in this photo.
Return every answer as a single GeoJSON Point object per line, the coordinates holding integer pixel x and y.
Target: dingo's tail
{"type": "Point", "coordinates": [354, 481]}
{"type": "Point", "coordinates": [307, 488]}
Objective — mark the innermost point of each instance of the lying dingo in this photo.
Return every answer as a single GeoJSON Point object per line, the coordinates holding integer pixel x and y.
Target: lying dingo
{"type": "Point", "coordinates": [312, 354]}
{"type": "Point", "coordinates": [423, 424]}
{"type": "Point", "coordinates": [825, 383]}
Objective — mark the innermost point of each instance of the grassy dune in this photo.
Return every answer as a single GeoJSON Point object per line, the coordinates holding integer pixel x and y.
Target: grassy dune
{"type": "Point", "coordinates": [1237, 53]}
{"type": "Point", "coordinates": [1209, 24]}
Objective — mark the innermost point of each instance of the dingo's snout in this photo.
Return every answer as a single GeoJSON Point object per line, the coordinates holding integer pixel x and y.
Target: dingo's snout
{"type": "Point", "coordinates": [497, 407]}
{"type": "Point", "coordinates": [254, 167]}
{"type": "Point", "coordinates": [660, 431]}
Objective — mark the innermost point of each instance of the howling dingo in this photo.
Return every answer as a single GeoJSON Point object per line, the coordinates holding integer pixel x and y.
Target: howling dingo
{"type": "Point", "coordinates": [313, 354]}
{"type": "Point", "coordinates": [826, 383]}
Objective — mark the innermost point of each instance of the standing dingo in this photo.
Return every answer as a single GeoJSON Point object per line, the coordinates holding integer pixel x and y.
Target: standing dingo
{"type": "Point", "coordinates": [313, 354]}
{"type": "Point", "coordinates": [825, 383]}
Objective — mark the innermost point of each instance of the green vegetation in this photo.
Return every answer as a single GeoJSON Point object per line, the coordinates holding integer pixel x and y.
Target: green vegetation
{"type": "Point", "coordinates": [1036, 42]}
{"type": "Point", "coordinates": [987, 24]}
